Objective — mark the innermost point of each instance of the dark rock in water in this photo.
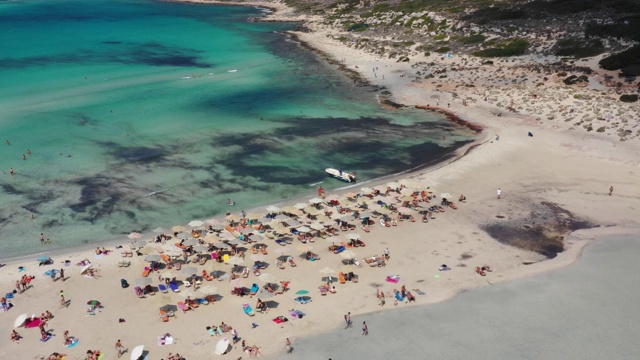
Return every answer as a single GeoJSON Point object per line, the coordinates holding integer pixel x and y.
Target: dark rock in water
{"type": "Point", "coordinates": [390, 104]}
{"type": "Point", "coordinates": [403, 59]}
{"type": "Point", "coordinates": [543, 231]}
{"type": "Point", "coordinates": [488, 62]}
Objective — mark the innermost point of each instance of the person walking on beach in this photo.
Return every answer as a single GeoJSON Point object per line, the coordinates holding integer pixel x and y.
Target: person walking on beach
{"type": "Point", "coordinates": [288, 346]}
{"type": "Point", "coordinates": [499, 193]}
{"type": "Point", "coordinates": [42, 238]}
{"type": "Point", "coordinates": [610, 190]}
{"type": "Point", "coordinates": [365, 328]}
{"type": "Point", "coordinates": [61, 274]}
{"type": "Point", "coordinates": [347, 320]}
{"type": "Point", "coordinates": [386, 254]}
{"type": "Point", "coordinates": [63, 302]}
{"type": "Point", "coordinates": [120, 348]}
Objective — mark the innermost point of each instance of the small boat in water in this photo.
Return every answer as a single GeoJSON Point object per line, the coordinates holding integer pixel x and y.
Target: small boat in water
{"type": "Point", "coordinates": [341, 175]}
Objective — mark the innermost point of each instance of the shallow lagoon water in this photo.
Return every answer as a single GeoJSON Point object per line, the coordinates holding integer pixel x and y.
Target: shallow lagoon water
{"type": "Point", "coordinates": [194, 104]}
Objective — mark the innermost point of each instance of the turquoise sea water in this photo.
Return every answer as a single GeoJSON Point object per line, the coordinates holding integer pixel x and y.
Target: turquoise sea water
{"type": "Point", "coordinates": [120, 99]}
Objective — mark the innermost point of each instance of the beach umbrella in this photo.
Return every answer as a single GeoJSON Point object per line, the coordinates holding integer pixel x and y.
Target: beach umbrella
{"type": "Point", "coordinates": [327, 270]}
{"type": "Point", "coordinates": [303, 229]}
{"type": "Point", "coordinates": [20, 320]}
{"type": "Point", "coordinates": [152, 257]}
{"type": "Point", "coordinates": [316, 226]}
{"type": "Point", "coordinates": [225, 235]}
{"type": "Point", "coordinates": [283, 250]}
{"type": "Point", "coordinates": [137, 351]}
{"type": "Point", "coordinates": [334, 239]}
{"type": "Point", "coordinates": [380, 188]}
{"type": "Point", "coordinates": [232, 218]}
{"type": "Point", "coordinates": [304, 247]}
{"type": "Point", "coordinates": [169, 274]}
{"type": "Point", "coordinates": [353, 236]}
{"type": "Point", "coordinates": [217, 227]}
{"type": "Point", "coordinates": [366, 214]}
{"type": "Point", "coordinates": [267, 278]}
{"type": "Point", "coordinates": [138, 243]}
{"type": "Point", "coordinates": [282, 217]}
{"type": "Point", "coordinates": [247, 231]}
{"type": "Point", "coordinates": [211, 238]}
{"type": "Point", "coordinates": [347, 254]}
{"type": "Point", "coordinates": [208, 289]}
{"type": "Point", "coordinates": [315, 200]}
{"type": "Point", "coordinates": [256, 238]}
{"type": "Point", "coordinates": [160, 230]}
{"type": "Point", "coordinates": [383, 211]}
{"type": "Point", "coordinates": [257, 257]}
{"type": "Point", "coordinates": [252, 216]}
{"type": "Point", "coordinates": [313, 211]}
{"type": "Point", "coordinates": [200, 248]}
{"type": "Point", "coordinates": [423, 204]}
{"type": "Point", "coordinates": [221, 245]}
{"type": "Point", "coordinates": [214, 222]}
{"type": "Point", "coordinates": [222, 346]}
{"type": "Point", "coordinates": [94, 303]}
{"type": "Point", "coordinates": [134, 235]}
{"type": "Point", "coordinates": [43, 258]}
{"type": "Point", "coordinates": [84, 269]}
{"type": "Point", "coordinates": [302, 292]}
{"type": "Point", "coordinates": [273, 209]}
{"type": "Point", "coordinates": [351, 195]}
{"type": "Point", "coordinates": [190, 242]}
{"type": "Point", "coordinates": [294, 212]}
{"type": "Point", "coordinates": [300, 206]}
{"type": "Point", "coordinates": [323, 218]}
{"type": "Point", "coordinates": [148, 249]}
{"type": "Point", "coordinates": [293, 223]}
{"type": "Point", "coordinates": [172, 250]}
{"type": "Point", "coordinates": [188, 293]}
{"type": "Point", "coordinates": [404, 210]}
{"type": "Point", "coordinates": [178, 228]}
{"type": "Point", "coordinates": [446, 196]}
{"type": "Point", "coordinates": [143, 281]}
{"type": "Point", "coordinates": [233, 241]}
{"type": "Point", "coordinates": [239, 282]}
{"type": "Point", "coordinates": [331, 197]}
{"type": "Point", "coordinates": [196, 223]}
{"type": "Point", "coordinates": [189, 271]}
{"type": "Point", "coordinates": [366, 190]}
{"type": "Point", "coordinates": [235, 260]}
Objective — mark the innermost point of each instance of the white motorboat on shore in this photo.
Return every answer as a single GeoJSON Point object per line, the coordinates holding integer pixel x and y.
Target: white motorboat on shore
{"type": "Point", "coordinates": [341, 175]}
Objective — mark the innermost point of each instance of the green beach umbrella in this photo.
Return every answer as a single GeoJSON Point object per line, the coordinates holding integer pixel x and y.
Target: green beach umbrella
{"type": "Point", "coordinates": [302, 292]}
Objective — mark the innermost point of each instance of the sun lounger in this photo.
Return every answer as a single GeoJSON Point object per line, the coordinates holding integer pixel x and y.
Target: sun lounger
{"type": "Point", "coordinates": [247, 309]}
{"type": "Point", "coordinates": [186, 283]}
{"type": "Point", "coordinates": [149, 290]}
{"type": "Point", "coordinates": [183, 307]}
{"type": "Point", "coordinates": [254, 289]}
{"type": "Point", "coordinates": [121, 263]}
{"type": "Point", "coordinates": [162, 288]}
{"type": "Point", "coordinates": [202, 301]}
{"type": "Point", "coordinates": [342, 278]}
{"type": "Point", "coordinates": [163, 316]}
{"type": "Point", "coordinates": [146, 271]}
{"type": "Point", "coordinates": [323, 290]}
{"type": "Point", "coordinates": [480, 271]}
{"type": "Point", "coordinates": [174, 287]}
{"type": "Point", "coordinates": [291, 262]}
{"type": "Point", "coordinates": [126, 263]}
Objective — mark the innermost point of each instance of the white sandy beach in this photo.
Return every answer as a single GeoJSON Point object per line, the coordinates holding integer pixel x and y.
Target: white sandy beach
{"type": "Point", "coordinates": [560, 164]}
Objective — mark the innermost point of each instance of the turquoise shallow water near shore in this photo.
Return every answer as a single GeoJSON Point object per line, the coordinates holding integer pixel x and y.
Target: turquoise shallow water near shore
{"type": "Point", "coordinates": [141, 113]}
{"type": "Point", "coordinates": [587, 310]}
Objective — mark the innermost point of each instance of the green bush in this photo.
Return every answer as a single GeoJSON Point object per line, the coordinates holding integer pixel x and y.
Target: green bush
{"type": "Point", "coordinates": [515, 47]}
{"type": "Point", "coordinates": [472, 39]}
{"type": "Point", "coordinates": [629, 98]}
{"type": "Point", "coordinates": [444, 49]}
{"type": "Point", "coordinates": [579, 48]}
{"type": "Point", "coordinates": [622, 60]}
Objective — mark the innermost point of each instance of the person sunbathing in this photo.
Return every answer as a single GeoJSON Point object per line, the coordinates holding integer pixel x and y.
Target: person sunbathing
{"type": "Point", "coordinates": [270, 288]}
{"type": "Point", "coordinates": [462, 198]}
{"type": "Point", "coordinates": [15, 336]}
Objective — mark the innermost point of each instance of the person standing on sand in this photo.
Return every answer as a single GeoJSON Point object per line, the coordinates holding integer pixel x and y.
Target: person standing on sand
{"type": "Point", "coordinates": [120, 348]}
{"type": "Point", "coordinates": [365, 329]}
{"type": "Point", "coordinates": [347, 320]}
{"type": "Point", "coordinates": [42, 238]}
{"type": "Point", "coordinates": [63, 302]}
{"type": "Point", "coordinates": [288, 346]}
{"type": "Point", "coordinates": [61, 274]}
{"type": "Point", "coordinates": [610, 190]}
{"type": "Point", "coordinates": [499, 193]}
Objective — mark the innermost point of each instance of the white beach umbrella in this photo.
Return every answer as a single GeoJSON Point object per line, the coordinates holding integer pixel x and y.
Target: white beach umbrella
{"type": "Point", "coordinates": [160, 230]}
{"type": "Point", "coordinates": [196, 223]}
{"type": "Point", "coordinates": [148, 249]}
{"type": "Point", "coordinates": [190, 242]}
{"type": "Point", "coordinates": [20, 320]}
{"type": "Point", "coordinates": [348, 254]}
{"type": "Point", "coordinates": [232, 218]}
{"type": "Point", "coordinates": [383, 211]}
{"type": "Point", "coordinates": [221, 245]}
{"type": "Point", "coordinates": [169, 274]}
{"type": "Point", "coordinates": [134, 235]}
{"type": "Point", "coordinates": [300, 206]}
{"type": "Point", "coordinates": [303, 229]}
{"type": "Point", "coordinates": [152, 257]}
{"type": "Point", "coordinates": [404, 210]}
{"type": "Point", "coordinates": [233, 241]}
{"type": "Point", "coordinates": [334, 239]}
{"type": "Point", "coordinates": [272, 209]}
{"type": "Point", "coordinates": [213, 221]}
{"type": "Point", "coordinates": [188, 293]}
{"type": "Point", "coordinates": [211, 238]}
{"type": "Point", "coordinates": [200, 248]}
{"type": "Point", "coordinates": [446, 196]}
{"type": "Point", "coordinates": [366, 190]}
{"type": "Point", "coordinates": [178, 228]}
{"type": "Point", "coordinates": [217, 227]}
{"type": "Point", "coordinates": [143, 281]}
{"type": "Point", "coordinates": [138, 243]}
{"type": "Point", "coordinates": [316, 226]}
{"type": "Point", "coordinates": [351, 195]}
{"type": "Point", "coordinates": [222, 346]}
{"type": "Point", "coordinates": [332, 197]}
{"type": "Point", "coordinates": [315, 200]}
{"type": "Point", "coordinates": [267, 278]}
{"type": "Point", "coordinates": [85, 269]}
{"type": "Point", "coordinates": [189, 271]}
{"type": "Point", "coordinates": [235, 260]}
{"type": "Point", "coordinates": [172, 250]}
{"type": "Point", "coordinates": [353, 236]}
{"type": "Point", "coordinates": [208, 289]}
{"type": "Point", "coordinates": [293, 223]}
{"type": "Point", "coordinates": [247, 231]}
{"type": "Point", "coordinates": [423, 204]}
{"type": "Point", "coordinates": [137, 352]}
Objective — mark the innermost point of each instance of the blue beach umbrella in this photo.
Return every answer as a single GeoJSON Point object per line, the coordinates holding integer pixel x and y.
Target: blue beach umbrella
{"type": "Point", "coordinates": [43, 258]}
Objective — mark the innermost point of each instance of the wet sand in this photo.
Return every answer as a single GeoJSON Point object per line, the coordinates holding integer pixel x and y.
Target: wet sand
{"type": "Point", "coordinates": [584, 311]}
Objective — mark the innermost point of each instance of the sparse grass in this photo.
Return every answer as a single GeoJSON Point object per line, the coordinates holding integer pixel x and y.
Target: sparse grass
{"type": "Point", "coordinates": [515, 47]}
{"type": "Point", "coordinates": [579, 48]}
{"type": "Point", "coordinates": [472, 39]}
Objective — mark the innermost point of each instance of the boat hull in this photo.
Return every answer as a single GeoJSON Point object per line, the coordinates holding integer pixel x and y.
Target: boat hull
{"type": "Point", "coordinates": [341, 175]}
